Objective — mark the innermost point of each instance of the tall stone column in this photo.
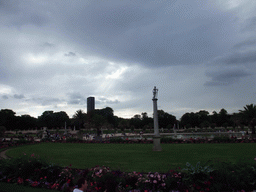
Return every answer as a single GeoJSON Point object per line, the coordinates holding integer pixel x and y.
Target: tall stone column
{"type": "Point", "coordinates": [156, 136]}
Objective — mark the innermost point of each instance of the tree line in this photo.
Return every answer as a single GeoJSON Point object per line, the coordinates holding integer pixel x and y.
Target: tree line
{"type": "Point", "coordinates": [105, 118]}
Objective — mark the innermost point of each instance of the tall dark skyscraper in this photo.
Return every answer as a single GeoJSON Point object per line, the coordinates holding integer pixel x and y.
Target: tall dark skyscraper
{"type": "Point", "coordinates": [90, 104]}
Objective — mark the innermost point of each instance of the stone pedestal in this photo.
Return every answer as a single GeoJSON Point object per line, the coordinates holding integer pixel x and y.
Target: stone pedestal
{"type": "Point", "coordinates": [157, 146]}
{"type": "Point", "coordinates": [44, 132]}
{"type": "Point", "coordinates": [253, 136]}
{"type": "Point", "coordinates": [98, 138]}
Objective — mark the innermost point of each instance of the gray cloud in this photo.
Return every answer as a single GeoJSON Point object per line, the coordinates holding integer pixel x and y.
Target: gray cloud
{"type": "Point", "coordinates": [76, 99]}
{"type": "Point", "coordinates": [103, 100]}
{"type": "Point", "coordinates": [46, 44]}
{"type": "Point", "coordinates": [57, 53]}
{"type": "Point", "coordinates": [5, 97]}
{"type": "Point", "coordinates": [245, 44]}
{"type": "Point", "coordinates": [22, 13]}
{"type": "Point", "coordinates": [149, 33]}
{"type": "Point", "coordinates": [70, 54]}
{"type": "Point", "coordinates": [238, 58]}
{"type": "Point", "coordinates": [16, 96]}
{"type": "Point", "coordinates": [250, 24]}
{"type": "Point", "coordinates": [226, 76]}
{"type": "Point", "coordinates": [46, 100]}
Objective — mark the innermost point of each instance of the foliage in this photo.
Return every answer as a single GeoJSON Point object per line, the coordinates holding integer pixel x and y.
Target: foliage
{"type": "Point", "coordinates": [71, 140]}
{"type": "Point", "coordinates": [2, 130]}
{"type": "Point", "coordinates": [197, 177]}
{"type": "Point", "coordinates": [249, 114]}
{"type": "Point", "coordinates": [219, 176]}
{"type": "Point", "coordinates": [241, 176]}
{"type": "Point", "coordinates": [167, 140]}
{"type": "Point", "coordinates": [221, 139]}
{"type": "Point", "coordinates": [22, 141]}
{"type": "Point", "coordinates": [53, 119]}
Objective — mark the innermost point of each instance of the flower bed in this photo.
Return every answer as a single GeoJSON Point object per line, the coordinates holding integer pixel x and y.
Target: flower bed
{"type": "Point", "coordinates": [218, 176]}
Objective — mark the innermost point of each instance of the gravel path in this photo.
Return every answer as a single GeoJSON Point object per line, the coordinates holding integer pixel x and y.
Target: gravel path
{"type": "Point", "coordinates": [2, 154]}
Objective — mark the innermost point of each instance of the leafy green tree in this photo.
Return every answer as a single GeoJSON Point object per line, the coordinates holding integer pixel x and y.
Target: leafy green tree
{"type": "Point", "coordinates": [2, 130]}
{"type": "Point", "coordinates": [223, 119]}
{"type": "Point", "coordinates": [203, 116]}
{"type": "Point", "coordinates": [164, 119]}
{"type": "Point", "coordinates": [46, 119]}
{"type": "Point", "coordinates": [136, 121]}
{"type": "Point", "coordinates": [50, 119]}
{"type": "Point", "coordinates": [249, 114]}
{"type": "Point", "coordinates": [146, 120]}
{"type": "Point", "coordinates": [190, 120]}
{"type": "Point", "coordinates": [25, 122]}
{"type": "Point", "coordinates": [60, 118]}
{"type": "Point", "coordinates": [8, 119]}
{"type": "Point", "coordinates": [123, 124]}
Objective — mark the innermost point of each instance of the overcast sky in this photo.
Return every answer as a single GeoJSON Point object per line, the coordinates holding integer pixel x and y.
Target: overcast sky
{"type": "Point", "coordinates": [200, 54]}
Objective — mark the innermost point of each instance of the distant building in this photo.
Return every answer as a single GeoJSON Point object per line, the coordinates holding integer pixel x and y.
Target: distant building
{"type": "Point", "coordinates": [90, 104]}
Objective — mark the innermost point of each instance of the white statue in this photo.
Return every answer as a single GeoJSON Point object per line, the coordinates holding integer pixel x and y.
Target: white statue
{"type": "Point", "coordinates": [155, 90]}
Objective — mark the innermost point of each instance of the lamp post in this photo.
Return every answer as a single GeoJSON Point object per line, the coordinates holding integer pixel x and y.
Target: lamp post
{"type": "Point", "coordinates": [156, 136]}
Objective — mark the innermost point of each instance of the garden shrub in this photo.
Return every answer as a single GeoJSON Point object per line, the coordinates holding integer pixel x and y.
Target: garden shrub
{"type": "Point", "coordinates": [73, 140]}
{"type": "Point", "coordinates": [22, 141]}
{"type": "Point", "coordinates": [218, 176]}
{"type": "Point", "coordinates": [167, 140]}
{"type": "Point", "coordinates": [116, 140]}
{"type": "Point", "coordinates": [222, 139]}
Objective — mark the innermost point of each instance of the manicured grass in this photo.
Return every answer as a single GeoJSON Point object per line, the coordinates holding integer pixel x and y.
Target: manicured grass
{"type": "Point", "coordinates": [137, 157]}
{"type": "Point", "coordinates": [7, 187]}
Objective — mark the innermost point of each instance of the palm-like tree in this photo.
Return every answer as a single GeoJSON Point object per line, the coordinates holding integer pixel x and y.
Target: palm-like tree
{"type": "Point", "coordinates": [249, 115]}
{"type": "Point", "coordinates": [80, 117]}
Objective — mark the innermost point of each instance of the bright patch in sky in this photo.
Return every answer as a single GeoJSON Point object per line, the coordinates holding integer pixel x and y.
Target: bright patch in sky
{"type": "Point", "coordinates": [36, 59]}
{"type": "Point", "coordinates": [5, 89]}
{"type": "Point", "coordinates": [117, 74]}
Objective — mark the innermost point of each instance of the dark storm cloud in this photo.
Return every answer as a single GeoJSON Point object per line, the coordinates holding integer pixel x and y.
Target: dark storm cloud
{"type": "Point", "coordinates": [242, 57]}
{"type": "Point", "coordinates": [226, 76]}
{"type": "Point", "coordinates": [17, 13]}
{"type": "Point", "coordinates": [168, 33]}
{"type": "Point", "coordinates": [60, 52]}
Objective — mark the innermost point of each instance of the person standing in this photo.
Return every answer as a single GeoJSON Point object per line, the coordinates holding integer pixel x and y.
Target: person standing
{"type": "Point", "coordinates": [82, 185]}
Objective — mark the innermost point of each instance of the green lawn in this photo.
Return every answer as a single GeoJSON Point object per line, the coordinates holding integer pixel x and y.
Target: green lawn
{"type": "Point", "coordinates": [137, 157]}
